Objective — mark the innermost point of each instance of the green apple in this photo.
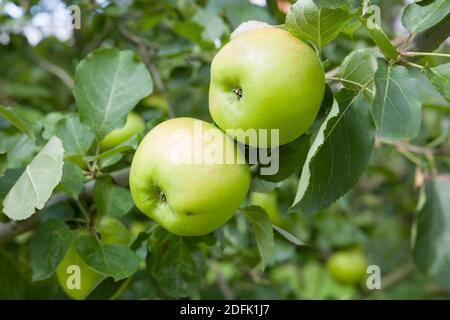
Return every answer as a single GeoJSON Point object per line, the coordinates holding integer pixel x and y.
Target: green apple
{"type": "Point", "coordinates": [348, 267]}
{"type": "Point", "coordinates": [111, 231]}
{"type": "Point", "coordinates": [269, 202]}
{"type": "Point", "coordinates": [188, 176]}
{"type": "Point", "coordinates": [266, 79]}
{"type": "Point", "coordinates": [134, 125]}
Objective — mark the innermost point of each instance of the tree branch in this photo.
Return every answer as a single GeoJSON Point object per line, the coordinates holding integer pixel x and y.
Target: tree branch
{"type": "Point", "coordinates": [144, 46]}
{"type": "Point", "coordinates": [53, 69]}
{"type": "Point", "coordinates": [11, 229]}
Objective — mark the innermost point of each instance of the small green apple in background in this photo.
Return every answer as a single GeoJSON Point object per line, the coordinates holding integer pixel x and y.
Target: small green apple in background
{"type": "Point", "coordinates": [157, 101]}
{"type": "Point", "coordinates": [188, 197]}
{"type": "Point", "coordinates": [134, 125]}
{"type": "Point", "coordinates": [111, 231]}
{"type": "Point", "coordinates": [266, 79]}
{"type": "Point", "coordinates": [269, 202]}
{"type": "Point", "coordinates": [348, 267]}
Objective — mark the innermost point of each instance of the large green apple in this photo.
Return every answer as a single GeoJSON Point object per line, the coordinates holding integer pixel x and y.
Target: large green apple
{"type": "Point", "coordinates": [134, 125]}
{"type": "Point", "coordinates": [111, 231]}
{"type": "Point", "coordinates": [348, 267]}
{"type": "Point", "coordinates": [185, 176]}
{"type": "Point", "coordinates": [266, 79]}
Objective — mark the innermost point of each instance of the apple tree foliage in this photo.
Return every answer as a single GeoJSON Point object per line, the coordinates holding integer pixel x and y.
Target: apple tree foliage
{"type": "Point", "coordinates": [372, 172]}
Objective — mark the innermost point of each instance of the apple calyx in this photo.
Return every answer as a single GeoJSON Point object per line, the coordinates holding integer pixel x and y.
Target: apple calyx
{"type": "Point", "coordinates": [238, 92]}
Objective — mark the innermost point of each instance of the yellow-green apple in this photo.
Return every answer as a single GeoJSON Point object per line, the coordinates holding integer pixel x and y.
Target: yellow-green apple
{"type": "Point", "coordinates": [266, 79]}
{"type": "Point", "coordinates": [111, 231]}
{"type": "Point", "coordinates": [188, 176]}
{"type": "Point", "coordinates": [348, 267]}
{"type": "Point", "coordinates": [134, 125]}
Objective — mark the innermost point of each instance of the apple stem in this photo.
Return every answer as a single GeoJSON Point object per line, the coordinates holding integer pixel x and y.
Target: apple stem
{"type": "Point", "coordinates": [162, 196]}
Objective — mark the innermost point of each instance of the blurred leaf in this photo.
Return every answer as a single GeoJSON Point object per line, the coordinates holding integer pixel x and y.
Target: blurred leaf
{"type": "Point", "coordinates": [36, 184]}
{"type": "Point", "coordinates": [262, 231]}
{"type": "Point", "coordinates": [213, 25]}
{"type": "Point", "coordinates": [289, 236]}
{"type": "Point", "coordinates": [17, 121]}
{"type": "Point", "coordinates": [76, 137]}
{"type": "Point", "coordinates": [291, 157]}
{"type": "Point", "coordinates": [49, 123]}
{"type": "Point", "coordinates": [237, 12]}
{"type": "Point", "coordinates": [115, 260]}
{"type": "Point", "coordinates": [72, 181]}
{"type": "Point", "coordinates": [396, 107]}
{"type": "Point", "coordinates": [108, 289]}
{"type": "Point", "coordinates": [440, 77]}
{"type": "Point", "coordinates": [108, 85]}
{"type": "Point", "coordinates": [20, 149]}
{"type": "Point", "coordinates": [429, 95]}
{"type": "Point", "coordinates": [359, 66]}
{"type": "Point", "coordinates": [319, 285]}
{"type": "Point", "coordinates": [381, 40]}
{"type": "Point", "coordinates": [176, 264]}
{"type": "Point", "coordinates": [316, 24]}
{"type": "Point", "coordinates": [192, 32]}
{"type": "Point", "coordinates": [431, 252]}
{"type": "Point", "coordinates": [421, 16]}
{"type": "Point", "coordinates": [339, 154]}
{"type": "Point", "coordinates": [48, 247]}
{"type": "Point", "coordinates": [15, 277]}
{"type": "Point", "coordinates": [111, 200]}
{"type": "Point", "coordinates": [257, 184]}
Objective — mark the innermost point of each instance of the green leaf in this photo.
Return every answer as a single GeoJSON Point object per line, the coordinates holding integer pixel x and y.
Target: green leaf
{"type": "Point", "coordinates": [3, 162]}
{"type": "Point", "coordinates": [17, 121]}
{"type": "Point", "coordinates": [48, 247]}
{"type": "Point", "coordinates": [339, 154]}
{"type": "Point", "coordinates": [318, 284]}
{"type": "Point", "coordinates": [111, 200]}
{"type": "Point", "coordinates": [108, 85]}
{"type": "Point", "coordinates": [432, 241]}
{"type": "Point", "coordinates": [359, 66]}
{"type": "Point", "coordinates": [396, 107]}
{"type": "Point", "coordinates": [429, 94]}
{"type": "Point", "coordinates": [76, 137]}
{"type": "Point", "coordinates": [72, 181]}
{"type": "Point", "coordinates": [115, 260]}
{"type": "Point", "coordinates": [289, 236]}
{"type": "Point", "coordinates": [381, 40]}
{"type": "Point", "coordinates": [291, 157]}
{"type": "Point", "coordinates": [36, 184]}
{"type": "Point", "coordinates": [177, 265]}
{"type": "Point", "coordinates": [334, 4]}
{"type": "Point", "coordinates": [262, 231]}
{"type": "Point", "coordinates": [421, 16]}
{"type": "Point", "coordinates": [212, 24]}
{"type": "Point", "coordinates": [192, 32]}
{"type": "Point", "coordinates": [440, 77]}
{"type": "Point", "coordinates": [316, 24]}
{"type": "Point", "coordinates": [20, 148]}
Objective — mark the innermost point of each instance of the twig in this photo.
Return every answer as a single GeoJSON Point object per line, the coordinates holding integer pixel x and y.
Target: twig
{"type": "Point", "coordinates": [351, 82]}
{"type": "Point", "coordinates": [398, 275]}
{"type": "Point", "coordinates": [53, 69]}
{"type": "Point", "coordinates": [143, 46]}
{"type": "Point", "coordinates": [11, 229]}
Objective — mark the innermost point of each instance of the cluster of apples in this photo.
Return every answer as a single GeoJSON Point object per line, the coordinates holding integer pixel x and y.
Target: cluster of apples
{"type": "Point", "coordinates": [262, 79]}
